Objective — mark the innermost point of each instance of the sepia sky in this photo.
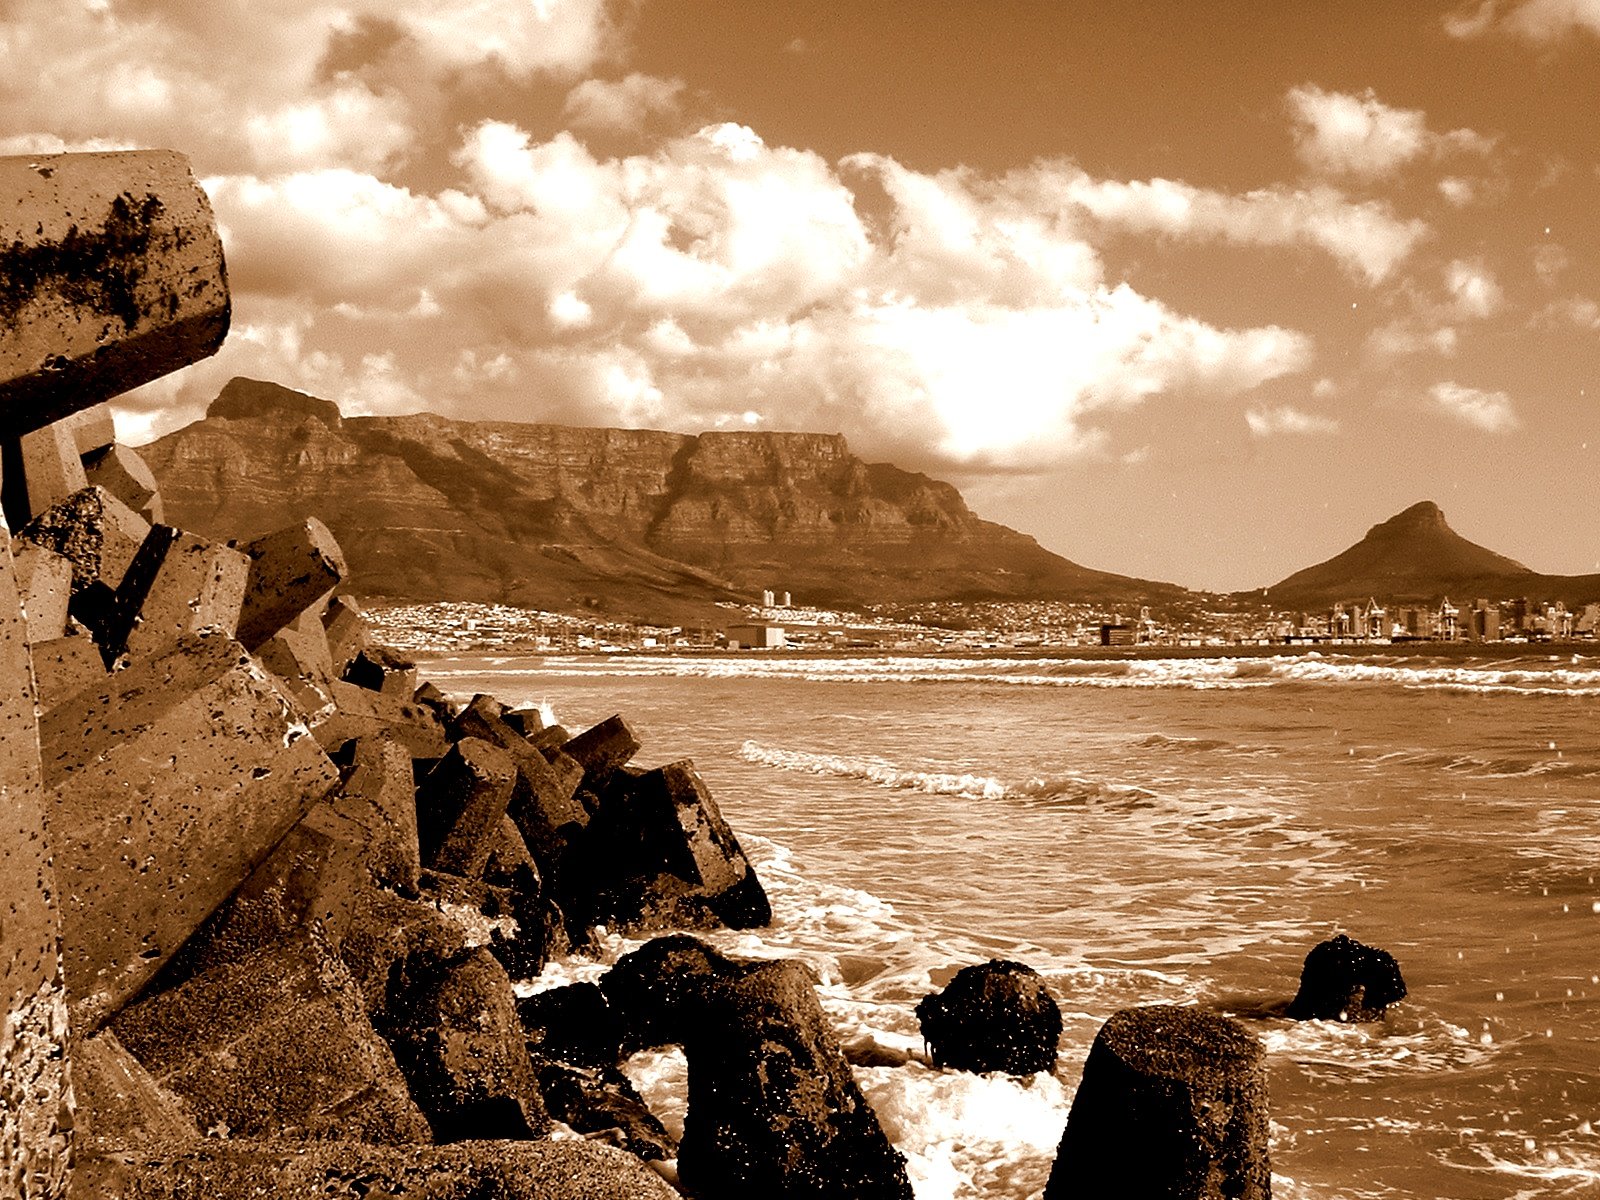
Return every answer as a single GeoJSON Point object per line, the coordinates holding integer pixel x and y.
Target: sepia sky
{"type": "Point", "coordinates": [1194, 291]}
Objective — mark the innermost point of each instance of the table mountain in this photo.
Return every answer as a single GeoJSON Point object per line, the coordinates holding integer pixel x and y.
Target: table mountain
{"type": "Point", "coordinates": [632, 523]}
{"type": "Point", "coordinates": [1416, 556]}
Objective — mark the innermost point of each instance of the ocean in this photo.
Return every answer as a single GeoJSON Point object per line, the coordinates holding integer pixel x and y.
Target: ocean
{"type": "Point", "coordinates": [1165, 831]}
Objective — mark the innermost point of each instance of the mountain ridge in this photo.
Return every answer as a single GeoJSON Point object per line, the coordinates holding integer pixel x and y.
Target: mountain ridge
{"type": "Point", "coordinates": [638, 523]}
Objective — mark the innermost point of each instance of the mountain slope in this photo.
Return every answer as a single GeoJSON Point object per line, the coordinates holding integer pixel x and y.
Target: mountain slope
{"type": "Point", "coordinates": [629, 522]}
{"type": "Point", "coordinates": [1415, 555]}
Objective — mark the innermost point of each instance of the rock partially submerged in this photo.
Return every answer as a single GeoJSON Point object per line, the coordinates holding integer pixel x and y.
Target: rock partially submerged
{"type": "Point", "coordinates": [994, 1016]}
{"type": "Point", "coordinates": [1344, 980]}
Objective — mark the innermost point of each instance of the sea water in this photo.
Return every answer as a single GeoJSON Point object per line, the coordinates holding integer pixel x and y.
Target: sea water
{"type": "Point", "coordinates": [1165, 831]}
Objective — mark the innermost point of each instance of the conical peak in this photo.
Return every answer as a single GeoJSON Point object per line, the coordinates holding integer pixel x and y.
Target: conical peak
{"type": "Point", "coordinates": [1423, 517]}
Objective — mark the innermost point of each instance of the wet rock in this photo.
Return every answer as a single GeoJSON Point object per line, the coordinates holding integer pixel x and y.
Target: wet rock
{"type": "Point", "coordinates": [212, 1170]}
{"type": "Point", "coordinates": [274, 1044]}
{"type": "Point", "coordinates": [1173, 1103]}
{"type": "Point", "coordinates": [651, 989]}
{"type": "Point", "coordinates": [526, 721]}
{"type": "Point", "coordinates": [995, 1016]}
{"type": "Point", "coordinates": [115, 278]}
{"type": "Point", "coordinates": [601, 1102]}
{"type": "Point", "coordinates": [460, 805]}
{"type": "Point", "coordinates": [458, 1039]}
{"type": "Point", "coordinates": [1343, 980]}
{"type": "Point", "coordinates": [292, 570]}
{"type": "Point", "coordinates": [572, 1025]}
{"type": "Point", "coordinates": [167, 787]}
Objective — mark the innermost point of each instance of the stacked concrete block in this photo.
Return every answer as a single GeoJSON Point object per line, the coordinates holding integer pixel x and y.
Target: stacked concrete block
{"type": "Point", "coordinates": [346, 631]}
{"type": "Point", "coordinates": [276, 1044]}
{"type": "Point", "coordinates": [166, 788]}
{"type": "Point", "coordinates": [359, 712]}
{"type": "Point", "coordinates": [121, 471]}
{"type": "Point", "coordinates": [461, 804]}
{"type": "Point", "coordinates": [292, 570]}
{"type": "Point", "coordinates": [93, 429]}
{"type": "Point", "coordinates": [35, 1087]}
{"type": "Point", "coordinates": [376, 811]}
{"type": "Point", "coordinates": [44, 579]}
{"type": "Point", "coordinates": [65, 666]}
{"type": "Point", "coordinates": [97, 533]}
{"type": "Point", "coordinates": [379, 670]}
{"type": "Point", "coordinates": [603, 748]}
{"type": "Point", "coordinates": [117, 279]}
{"type": "Point", "coordinates": [41, 469]}
{"type": "Point", "coordinates": [120, 1101]}
{"type": "Point", "coordinates": [179, 583]}
{"type": "Point", "coordinates": [545, 806]}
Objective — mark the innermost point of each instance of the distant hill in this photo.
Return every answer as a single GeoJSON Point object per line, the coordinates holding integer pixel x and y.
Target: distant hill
{"type": "Point", "coordinates": [633, 523]}
{"type": "Point", "coordinates": [1416, 556]}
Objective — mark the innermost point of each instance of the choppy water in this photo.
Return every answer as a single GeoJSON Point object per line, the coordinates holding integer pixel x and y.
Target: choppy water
{"type": "Point", "coordinates": [1170, 831]}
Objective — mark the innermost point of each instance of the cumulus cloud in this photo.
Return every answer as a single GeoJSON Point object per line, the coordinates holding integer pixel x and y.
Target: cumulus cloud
{"type": "Point", "coordinates": [1405, 338]}
{"type": "Point", "coordinates": [1474, 292]}
{"type": "Point", "coordinates": [1269, 422]}
{"type": "Point", "coordinates": [1491, 412]}
{"type": "Point", "coordinates": [1337, 133]}
{"type": "Point", "coordinates": [1573, 312]}
{"type": "Point", "coordinates": [621, 105]}
{"type": "Point", "coordinates": [1535, 20]}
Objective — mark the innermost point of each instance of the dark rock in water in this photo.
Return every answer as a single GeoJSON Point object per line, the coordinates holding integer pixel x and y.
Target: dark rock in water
{"type": "Point", "coordinates": [773, 1108]}
{"type": "Point", "coordinates": [458, 1040]}
{"type": "Point", "coordinates": [996, 1016]}
{"type": "Point", "coordinates": [651, 989]}
{"type": "Point", "coordinates": [603, 748]}
{"type": "Point", "coordinates": [572, 1025]}
{"type": "Point", "coordinates": [603, 1101]}
{"type": "Point", "coordinates": [1343, 980]}
{"type": "Point", "coordinates": [1173, 1103]}
{"type": "Point", "coordinates": [239, 1170]}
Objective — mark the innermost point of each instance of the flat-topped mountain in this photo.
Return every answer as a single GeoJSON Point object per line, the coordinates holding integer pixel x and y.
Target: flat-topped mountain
{"type": "Point", "coordinates": [1415, 555]}
{"type": "Point", "coordinates": [636, 523]}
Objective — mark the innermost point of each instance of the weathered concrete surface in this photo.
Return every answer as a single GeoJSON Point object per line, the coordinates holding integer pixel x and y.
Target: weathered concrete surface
{"type": "Point", "coordinates": [460, 804]}
{"type": "Point", "coordinates": [179, 583]}
{"type": "Point", "coordinates": [111, 275]}
{"type": "Point", "coordinates": [993, 1016]}
{"type": "Point", "coordinates": [41, 469]}
{"type": "Point", "coordinates": [166, 788]}
{"type": "Point", "coordinates": [359, 713]}
{"type": "Point", "coordinates": [119, 1101]}
{"type": "Point", "coordinates": [346, 631]}
{"type": "Point", "coordinates": [97, 533]}
{"type": "Point", "coordinates": [35, 1085]}
{"type": "Point", "coordinates": [240, 1170]}
{"type": "Point", "coordinates": [65, 666]}
{"type": "Point", "coordinates": [381, 670]}
{"type": "Point", "coordinates": [93, 428]}
{"type": "Point", "coordinates": [291, 570]}
{"type": "Point", "coordinates": [121, 471]}
{"type": "Point", "coordinates": [45, 580]}
{"type": "Point", "coordinates": [1173, 1103]}
{"type": "Point", "coordinates": [458, 1040]}
{"type": "Point", "coordinates": [376, 812]}
{"type": "Point", "coordinates": [603, 748]}
{"type": "Point", "coordinates": [275, 1044]}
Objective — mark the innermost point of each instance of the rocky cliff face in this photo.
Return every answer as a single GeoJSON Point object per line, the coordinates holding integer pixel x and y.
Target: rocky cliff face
{"type": "Point", "coordinates": [632, 522]}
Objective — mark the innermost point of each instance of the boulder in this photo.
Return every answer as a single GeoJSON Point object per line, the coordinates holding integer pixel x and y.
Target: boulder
{"type": "Point", "coordinates": [238, 1170]}
{"type": "Point", "coordinates": [167, 786]}
{"type": "Point", "coordinates": [274, 1044]}
{"type": "Point", "coordinates": [35, 1086]}
{"type": "Point", "coordinates": [291, 571]}
{"type": "Point", "coordinates": [652, 989]}
{"type": "Point", "coordinates": [1173, 1103]}
{"type": "Point", "coordinates": [1343, 980]}
{"type": "Point", "coordinates": [115, 278]}
{"type": "Point", "coordinates": [995, 1016]}
{"type": "Point", "coordinates": [773, 1107]}
{"type": "Point", "coordinates": [602, 1103]}
{"type": "Point", "coordinates": [460, 805]}
{"type": "Point", "coordinates": [572, 1025]}
{"type": "Point", "coordinates": [457, 1038]}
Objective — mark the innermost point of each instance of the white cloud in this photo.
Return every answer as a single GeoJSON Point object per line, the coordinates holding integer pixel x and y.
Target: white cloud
{"type": "Point", "coordinates": [1491, 412]}
{"type": "Point", "coordinates": [1364, 237]}
{"type": "Point", "coordinates": [621, 105]}
{"type": "Point", "coordinates": [1268, 422]}
{"type": "Point", "coordinates": [1535, 20]}
{"type": "Point", "coordinates": [1458, 191]}
{"type": "Point", "coordinates": [1337, 133]}
{"type": "Point", "coordinates": [1577, 312]}
{"type": "Point", "coordinates": [1325, 388]}
{"type": "Point", "coordinates": [1474, 292]}
{"type": "Point", "coordinates": [1402, 339]}
{"type": "Point", "coordinates": [1549, 261]}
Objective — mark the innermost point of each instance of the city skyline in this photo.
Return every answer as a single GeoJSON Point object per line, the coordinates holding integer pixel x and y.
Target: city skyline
{"type": "Point", "coordinates": [1197, 296]}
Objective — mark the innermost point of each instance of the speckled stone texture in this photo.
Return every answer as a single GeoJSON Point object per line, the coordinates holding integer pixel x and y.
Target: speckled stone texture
{"type": "Point", "coordinates": [291, 570]}
{"type": "Point", "coordinates": [114, 277]}
{"type": "Point", "coordinates": [35, 1085]}
{"type": "Point", "coordinates": [1344, 980]}
{"type": "Point", "coordinates": [1173, 1104]}
{"type": "Point", "coordinates": [222, 1170]}
{"type": "Point", "coordinates": [993, 1016]}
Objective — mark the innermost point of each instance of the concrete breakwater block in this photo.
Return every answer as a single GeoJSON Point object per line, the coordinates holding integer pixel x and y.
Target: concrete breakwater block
{"type": "Point", "coordinates": [40, 470]}
{"type": "Point", "coordinates": [461, 1046]}
{"type": "Point", "coordinates": [544, 806]}
{"type": "Point", "coordinates": [119, 1100]}
{"type": "Point", "coordinates": [95, 532]}
{"type": "Point", "coordinates": [44, 579]}
{"type": "Point", "coordinates": [603, 748]}
{"type": "Point", "coordinates": [178, 583]}
{"type": "Point", "coordinates": [242, 1170]}
{"type": "Point", "coordinates": [1344, 980]}
{"type": "Point", "coordinates": [993, 1016]}
{"type": "Point", "coordinates": [376, 812]}
{"type": "Point", "coordinates": [65, 666]}
{"type": "Point", "coordinates": [460, 804]}
{"type": "Point", "coordinates": [291, 571]}
{"type": "Point", "coordinates": [35, 1085]}
{"type": "Point", "coordinates": [114, 277]}
{"type": "Point", "coordinates": [167, 786]}
{"type": "Point", "coordinates": [274, 1044]}
{"type": "Point", "coordinates": [1173, 1103]}
{"type": "Point", "coordinates": [121, 471]}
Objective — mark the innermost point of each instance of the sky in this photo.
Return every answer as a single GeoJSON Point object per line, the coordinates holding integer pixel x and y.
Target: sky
{"type": "Point", "coordinates": [1189, 291]}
